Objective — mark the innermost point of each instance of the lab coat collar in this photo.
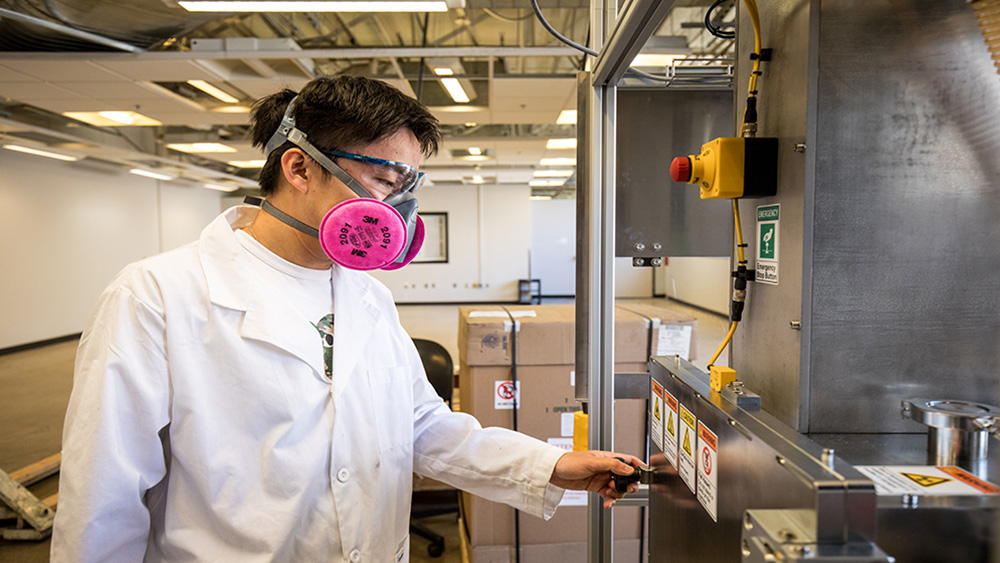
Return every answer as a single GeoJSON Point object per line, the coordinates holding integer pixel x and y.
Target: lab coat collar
{"type": "Point", "coordinates": [233, 284]}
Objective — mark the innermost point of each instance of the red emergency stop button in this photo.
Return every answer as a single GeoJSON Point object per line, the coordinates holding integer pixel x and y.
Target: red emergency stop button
{"type": "Point", "coordinates": [680, 169]}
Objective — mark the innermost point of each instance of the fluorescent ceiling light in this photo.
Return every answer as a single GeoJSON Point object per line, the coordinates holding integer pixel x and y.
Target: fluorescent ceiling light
{"type": "Point", "coordinates": [221, 188]}
{"type": "Point", "coordinates": [317, 6]}
{"type": "Point", "coordinates": [541, 197]}
{"type": "Point", "coordinates": [452, 85]}
{"type": "Point", "coordinates": [213, 91]}
{"type": "Point", "coordinates": [231, 109]}
{"type": "Point", "coordinates": [200, 147]}
{"type": "Point", "coordinates": [151, 174]}
{"type": "Point", "coordinates": [477, 179]}
{"type": "Point", "coordinates": [247, 163]}
{"type": "Point", "coordinates": [547, 183]}
{"type": "Point", "coordinates": [566, 117]}
{"type": "Point", "coordinates": [475, 151]}
{"type": "Point", "coordinates": [39, 152]}
{"type": "Point", "coordinates": [112, 118]}
{"type": "Point", "coordinates": [558, 162]}
{"type": "Point", "coordinates": [569, 143]}
{"type": "Point", "coordinates": [470, 124]}
{"type": "Point", "coordinates": [455, 90]}
{"type": "Point", "coordinates": [649, 59]}
{"type": "Point", "coordinates": [553, 173]}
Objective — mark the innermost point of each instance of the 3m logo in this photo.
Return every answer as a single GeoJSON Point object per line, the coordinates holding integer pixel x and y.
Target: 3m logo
{"type": "Point", "coordinates": [924, 480]}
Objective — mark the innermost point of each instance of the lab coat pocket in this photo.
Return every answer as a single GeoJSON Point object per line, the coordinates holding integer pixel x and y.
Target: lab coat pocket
{"type": "Point", "coordinates": [392, 408]}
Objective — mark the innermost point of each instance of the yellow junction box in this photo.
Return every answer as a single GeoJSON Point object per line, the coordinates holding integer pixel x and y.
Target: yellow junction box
{"type": "Point", "coordinates": [720, 376]}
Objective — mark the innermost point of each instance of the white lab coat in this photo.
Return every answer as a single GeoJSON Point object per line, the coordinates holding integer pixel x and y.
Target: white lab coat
{"type": "Point", "coordinates": [201, 426]}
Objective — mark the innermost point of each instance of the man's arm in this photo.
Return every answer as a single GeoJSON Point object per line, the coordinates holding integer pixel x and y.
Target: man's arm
{"type": "Point", "coordinates": [112, 453]}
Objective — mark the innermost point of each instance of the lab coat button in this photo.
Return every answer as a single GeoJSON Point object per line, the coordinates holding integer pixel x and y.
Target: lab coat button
{"type": "Point", "coordinates": [343, 475]}
{"type": "Point", "coordinates": [355, 556]}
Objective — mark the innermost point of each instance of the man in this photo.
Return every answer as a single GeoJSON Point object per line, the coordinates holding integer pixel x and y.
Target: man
{"type": "Point", "coordinates": [206, 422]}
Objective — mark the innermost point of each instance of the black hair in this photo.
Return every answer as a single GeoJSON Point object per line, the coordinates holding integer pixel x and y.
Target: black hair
{"type": "Point", "coordinates": [337, 112]}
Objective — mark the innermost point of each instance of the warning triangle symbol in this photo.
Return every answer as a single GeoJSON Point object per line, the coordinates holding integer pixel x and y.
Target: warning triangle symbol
{"type": "Point", "coordinates": [687, 442]}
{"type": "Point", "coordinates": [656, 409]}
{"type": "Point", "coordinates": [670, 425]}
{"type": "Point", "coordinates": [924, 480]}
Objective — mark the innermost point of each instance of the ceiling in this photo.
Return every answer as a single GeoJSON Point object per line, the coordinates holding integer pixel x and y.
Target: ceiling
{"type": "Point", "coordinates": [60, 56]}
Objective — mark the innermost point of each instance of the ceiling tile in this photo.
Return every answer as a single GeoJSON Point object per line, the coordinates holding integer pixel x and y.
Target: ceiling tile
{"type": "Point", "coordinates": [159, 71]}
{"type": "Point", "coordinates": [112, 91]}
{"type": "Point", "coordinates": [30, 92]}
{"type": "Point", "coordinates": [78, 70]}
{"type": "Point", "coordinates": [8, 74]}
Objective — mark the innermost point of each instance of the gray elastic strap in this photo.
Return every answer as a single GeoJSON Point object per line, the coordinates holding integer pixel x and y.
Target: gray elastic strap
{"type": "Point", "coordinates": [288, 219]}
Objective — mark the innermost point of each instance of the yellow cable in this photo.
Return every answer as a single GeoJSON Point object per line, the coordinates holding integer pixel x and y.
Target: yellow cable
{"type": "Point", "coordinates": [732, 330]}
{"type": "Point", "coordinates": [757, 45]}
{"type": "Point", "coordinates": [758, 49]}
{"type": "Point", "coordinates": [739, 233]}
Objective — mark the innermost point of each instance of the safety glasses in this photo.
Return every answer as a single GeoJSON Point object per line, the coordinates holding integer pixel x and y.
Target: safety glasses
{"type": "Point", "coordinates": [386, 176]}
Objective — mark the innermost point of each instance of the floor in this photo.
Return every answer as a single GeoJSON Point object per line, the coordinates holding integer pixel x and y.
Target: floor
{"type": "Point", "coordinates": [36, 385]}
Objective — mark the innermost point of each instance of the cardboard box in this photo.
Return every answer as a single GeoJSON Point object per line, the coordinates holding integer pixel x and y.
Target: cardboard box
{"type": "Point", "coordinates": [544, 345]}
{"type": "Point", "coordinates": [672, 332]}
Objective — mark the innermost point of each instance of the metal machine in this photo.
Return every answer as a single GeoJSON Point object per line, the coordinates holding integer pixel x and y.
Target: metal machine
{"type": "Point", "coordinates": [878, 311]}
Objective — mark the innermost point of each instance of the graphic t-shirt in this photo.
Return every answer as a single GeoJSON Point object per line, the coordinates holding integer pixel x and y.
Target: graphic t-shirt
{"type": "Point", "coordinates": [309, 291]}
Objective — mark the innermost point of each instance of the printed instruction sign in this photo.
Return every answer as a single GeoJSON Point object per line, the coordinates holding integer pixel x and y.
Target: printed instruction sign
{"type": "Point", "coordinates": [656, 415]}
{"type": "Point", "coordinates": [674, 339]}
{"type": "Point", "coordinates": [708, 470]}
{"type": "Point", "coordinates": [670, 428]}
{"type": "Point", "coordinates": [504, 394]}
{"type": "Point", "coordinates": [767, 244]}
{"type": "Point", "coordinates": [688, 441]}
{"type": "Point", "coordinates": [570, 498]}
{"type": "Point", "coordinates": [925, 480]}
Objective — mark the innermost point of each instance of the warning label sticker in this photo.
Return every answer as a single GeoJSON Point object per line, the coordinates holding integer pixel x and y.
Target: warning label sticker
{"type": "Point", "coordinates": [504, 394]}
{"type": "Point", "coordinates": [688, 442]}
{"type": "Point", "coordinates": [925, 480]}
{"type": "Point", "coordinates": [656, 415]}
{"type": "Point", "coordinates": [670, 428]}
{"type": "Point", "coordinates": [708, 470]}
{"type": "Point", "coordinates": [673, 340]}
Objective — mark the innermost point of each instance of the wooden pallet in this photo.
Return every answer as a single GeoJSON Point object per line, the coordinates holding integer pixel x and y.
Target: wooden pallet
{"type": "Point", "coordinates": [34, 516]}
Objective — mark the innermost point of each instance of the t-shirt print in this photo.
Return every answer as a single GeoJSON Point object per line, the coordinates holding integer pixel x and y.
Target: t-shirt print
{"type": "Point", "coordinates": [325, 329]}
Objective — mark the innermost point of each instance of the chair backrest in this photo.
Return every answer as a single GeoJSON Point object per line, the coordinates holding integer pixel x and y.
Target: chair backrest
{"type": "Point", "coordinates": [437, 363]}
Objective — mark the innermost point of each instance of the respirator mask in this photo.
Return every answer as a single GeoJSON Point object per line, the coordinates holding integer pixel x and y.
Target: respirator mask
{"type": "Point", "coordinates": [362, 233]}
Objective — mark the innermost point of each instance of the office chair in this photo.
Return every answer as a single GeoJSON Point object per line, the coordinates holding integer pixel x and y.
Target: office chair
{"type": "Point", "coordinates": [441, 374]}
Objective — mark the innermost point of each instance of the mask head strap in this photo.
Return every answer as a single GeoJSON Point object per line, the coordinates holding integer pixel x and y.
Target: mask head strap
{"type": "Point", "coordinates": [288, 132]}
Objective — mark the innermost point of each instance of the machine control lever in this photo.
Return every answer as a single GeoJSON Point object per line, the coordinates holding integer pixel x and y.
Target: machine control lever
{"type": "Point", "coordinates": [642, 474]}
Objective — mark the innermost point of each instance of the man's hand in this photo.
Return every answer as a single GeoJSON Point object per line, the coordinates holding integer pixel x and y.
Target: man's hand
{"type": "Point", "coordinates": [591, 471]}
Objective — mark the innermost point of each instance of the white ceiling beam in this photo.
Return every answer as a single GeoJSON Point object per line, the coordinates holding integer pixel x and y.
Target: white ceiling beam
{"type": "Point", "coordinates": [334, 53]}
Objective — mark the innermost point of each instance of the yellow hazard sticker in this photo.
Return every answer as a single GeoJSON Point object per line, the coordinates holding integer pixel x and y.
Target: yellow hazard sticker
{"type": "Point", "coordinates": [685, 458]}
{"type": "Point", "coordinates": [924, 480]}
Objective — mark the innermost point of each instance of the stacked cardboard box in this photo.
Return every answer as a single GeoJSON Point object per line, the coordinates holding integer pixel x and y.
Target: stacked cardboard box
{"type": "Point", "coordinates": [545, 352]}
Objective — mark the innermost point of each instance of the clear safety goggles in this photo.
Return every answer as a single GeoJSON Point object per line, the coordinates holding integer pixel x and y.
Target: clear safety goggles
{"type": "Point", "coordinates": [385, 176]}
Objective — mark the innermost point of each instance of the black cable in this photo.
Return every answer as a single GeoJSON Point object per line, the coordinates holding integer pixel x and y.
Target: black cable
{"type": "Point", "coordinates": [586, 50]}
{"type": "Point", "coordinates": [513, 382]}
{"type": "Point", "coordinates": [711, 26]}
{"type": "Point", "coordinates": [420, 72]}
{"type": "Point", "coordinates": [557, 35]}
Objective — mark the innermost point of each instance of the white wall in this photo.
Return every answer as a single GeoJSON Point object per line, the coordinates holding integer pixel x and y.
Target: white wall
{"type": "Point", "coordinates": [703, 282]}
{"type": "Point", "coordinates": [68, 228]}
{"type": "Point", "coordinates": [553, 245]}
{"type": "Point", "coordinates": [489, 234]}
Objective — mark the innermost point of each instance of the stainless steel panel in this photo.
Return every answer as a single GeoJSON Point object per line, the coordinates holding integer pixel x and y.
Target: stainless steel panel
{"type": "Point", "coordinates": [897, 199]}
{"type": "Point", "coordinates": [765, 349]}
{"type": "Point", "coordinates": [761, 464]}
{"type": "Point", "coordinates": [938, 529]}
{"type": "Point", "coordinates": [653, 127]}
